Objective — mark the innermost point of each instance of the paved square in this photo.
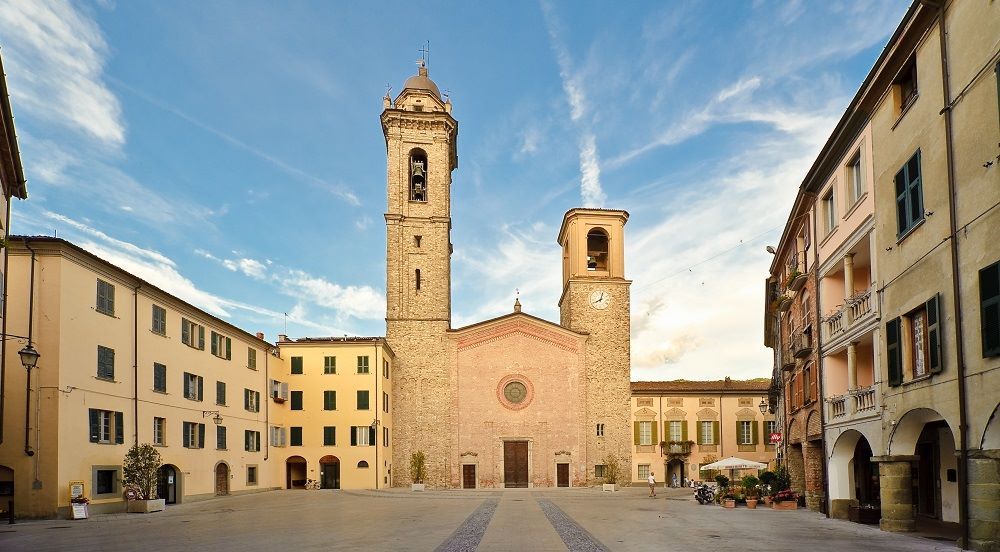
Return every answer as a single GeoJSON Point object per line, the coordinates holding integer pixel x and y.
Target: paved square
{"type": "Point", "coordinates": [516, 519]}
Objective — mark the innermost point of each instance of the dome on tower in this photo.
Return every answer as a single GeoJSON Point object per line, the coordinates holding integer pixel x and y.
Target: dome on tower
{"type": "Point", "coordinates": [421, 81]}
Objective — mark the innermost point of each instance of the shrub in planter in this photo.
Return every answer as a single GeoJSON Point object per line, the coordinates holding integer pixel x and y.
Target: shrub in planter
{"type": "Point", "coordinates": [140, 475]}
{"type": "Point", "coordinates": [614, 475]}
{"type": "Point", "coordinates": [418, 470]}
{"type": "Point", "coordinates": [722, 481]}
{"type": "Point", "coordinates": [785, 500]}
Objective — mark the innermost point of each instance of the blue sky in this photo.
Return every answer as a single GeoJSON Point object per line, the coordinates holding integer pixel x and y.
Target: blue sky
{"type": "Point", "coordinates": [231, 152]}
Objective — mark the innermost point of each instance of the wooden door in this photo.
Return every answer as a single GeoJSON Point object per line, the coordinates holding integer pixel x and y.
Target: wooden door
{"type": "Point", "coordinates": [468, 476]}
{"type": "Point", "coordinates": [562, 475]}
{"type": "Point", "coordinates": [515, 464]}
{"type": "Point", "coordinates": [330, 478]}
{"type": "Point", "coordinates": [221, 479]}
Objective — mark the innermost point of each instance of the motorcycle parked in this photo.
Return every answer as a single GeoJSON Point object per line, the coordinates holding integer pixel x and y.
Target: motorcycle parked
{"type": "Point", "coordinates": [704, 494]}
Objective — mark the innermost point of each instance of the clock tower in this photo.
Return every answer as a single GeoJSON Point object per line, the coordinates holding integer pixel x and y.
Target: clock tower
{"type": "Point", "coordinates": [595, 301]}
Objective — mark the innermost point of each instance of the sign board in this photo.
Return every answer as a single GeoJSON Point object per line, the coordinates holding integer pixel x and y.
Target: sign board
{"type": "Point", "coordinates": [79, 511]}
{"type": "Point", "coordinates": [76, 489]}
{"type": "Point", "coordinates": [775, 438]}
{"type": "Point", "coordinates": [170, 480]}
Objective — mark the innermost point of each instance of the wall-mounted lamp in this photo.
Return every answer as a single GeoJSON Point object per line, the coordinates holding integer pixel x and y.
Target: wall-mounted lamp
{"type": "Point", "coordinates": [29, 357]}
{"type": "Point", "coordinates": [762, 406]}
{"type": "Point", "coordinates": [770, 250]}
{"type": "Point", "coordinates": [217, 418]}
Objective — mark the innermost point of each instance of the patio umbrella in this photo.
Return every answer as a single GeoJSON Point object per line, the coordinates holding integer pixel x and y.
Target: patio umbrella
{"type": "Point", "coordinates": [732, 464]}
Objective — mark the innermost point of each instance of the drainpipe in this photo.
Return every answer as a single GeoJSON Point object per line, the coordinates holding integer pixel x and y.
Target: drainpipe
{"type": "Point", "coordinates": [963, 491]}
{"type": "Point", "coordinates": [377, 469]}
{"type": "Point", "coordinates": [819, 375]}
{"type": "Point", "coordinates": [3, 328]}
{"type": "Point", "coordinates": [267, 405]}
{"type": "Point", "coordinates": [135, 364]}
{"type": "Point", "coordinates": [27, 382]}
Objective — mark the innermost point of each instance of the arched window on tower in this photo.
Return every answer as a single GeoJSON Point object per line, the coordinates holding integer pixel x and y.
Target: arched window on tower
{"type": "Point", "coordinates": [597, 249]}
{"type": "Point", "coordinates": [417, 278]}
{"type": "Point", "coordinates": [418, 175]}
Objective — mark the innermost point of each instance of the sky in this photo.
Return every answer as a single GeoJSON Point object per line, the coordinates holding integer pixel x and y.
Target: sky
{"type": "Point", "coordinates": [231, 152]}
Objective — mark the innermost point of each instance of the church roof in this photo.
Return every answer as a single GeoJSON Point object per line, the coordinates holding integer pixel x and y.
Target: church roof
{"type": "Point", "coordinates": [759, 385]}
{"type": "Point", "coordinates": [516, 314]}
{"type": "Point", "coordinates": [421, 81]}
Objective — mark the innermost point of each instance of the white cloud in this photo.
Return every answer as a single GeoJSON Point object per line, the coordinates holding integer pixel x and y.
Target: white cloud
{"type": "Point", "coordinates": [362, 302]}
{"type": "Point", "coordinates": [250, 267]}
{"type": "Point", "coordinates": [56, 59]}
{"type": "Point", "coordinates": [363, 223]}
{"type": "Point", "coordinates": [590, 173]}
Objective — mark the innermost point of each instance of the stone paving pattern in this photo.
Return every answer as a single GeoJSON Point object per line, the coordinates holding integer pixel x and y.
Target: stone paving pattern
{"type": "Point", "coordinates": [515, 519]}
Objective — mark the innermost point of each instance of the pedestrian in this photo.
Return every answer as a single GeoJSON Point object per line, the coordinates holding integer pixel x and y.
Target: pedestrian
{"type": "Point", "coordinates": [652, 485]}
{"type": "Point", "coordinates": [674, 484]}
{"type": "Point", "coordinates": [684, 482]}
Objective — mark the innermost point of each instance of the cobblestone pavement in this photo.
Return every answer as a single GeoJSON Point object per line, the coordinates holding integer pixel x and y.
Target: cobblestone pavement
{"type": "Point", "coordinates": [517, 519]}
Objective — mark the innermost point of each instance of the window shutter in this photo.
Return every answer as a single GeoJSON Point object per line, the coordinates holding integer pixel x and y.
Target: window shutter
{"type": "Point", "coordinates": [201, 387]}
{"type": "Point", "coordinates": [246, 441]}
{"type": "Point", "coordinates": [698, 430]}
{"type": "Point", "coordinates": [354, 436]}
{"type": "Point", "coordinates": [201, 435]}
{"type": "Point", "coordinates": [636, 432]}
{"type": "Point", "coordinates": [119, 428]}
{"type": "Point", "coordinates": [201, 337]}
{"type": "Point", "coordinates": [901, 215]}
{"type": "Point", "coordinates": [739, 436]}
{"type": "Point", "coordinates": [893, 353]}
{"type": "Point", "coordinates": [229, 348]}
{"type": "Point", "coordinates": [246, 399]}
{"type": "Point", "coordinates": [371, 436]}
{"type": "Point", "coordinates": [284, 391]}
{"type": "Point", "coordinates": [989, 299]}
{"type": "Point", "coordinates": [934, 333]}
{"type": "Point", "coordinates": [715, 433]}
{"type": "Point", "coordinates": [95, 425]}
{"type": "Point", "coordinates": [652, 428]}
{"type": "Point", "coordinates": [813, 394]}
{"type": "Point", "coordinates": [187, 434]}
{"type": "Point", "coordinates": [185, 331]}
{"type": "Point", "coordinates": [756, 432]}
{"type": "Point", "coordinates": [110, 363]}
{"type": "Point", "coordinates": [684, 430]}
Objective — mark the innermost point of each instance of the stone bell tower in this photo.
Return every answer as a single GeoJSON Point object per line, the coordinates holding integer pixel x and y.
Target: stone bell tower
{"type": "Point", "coordinates": [421, 151]}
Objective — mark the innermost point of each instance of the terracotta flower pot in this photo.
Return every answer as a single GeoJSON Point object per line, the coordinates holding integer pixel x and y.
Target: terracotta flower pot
{"type": "Point", "coordinates": [785, 505]}
{"type": "Point", "coordinates": [767, 501]}
{"type": "Point", "coordinates": [729, 503]}
{"type": "Point", "coordinates": [752, 503]}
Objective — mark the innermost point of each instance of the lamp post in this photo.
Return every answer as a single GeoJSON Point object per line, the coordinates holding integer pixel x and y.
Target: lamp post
{"type": "Point", "coordinates": [29, 358]}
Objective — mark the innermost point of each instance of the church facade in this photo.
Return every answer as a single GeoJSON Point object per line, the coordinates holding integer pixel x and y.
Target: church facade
{"type": "Point", "coordinates": [515, 401]}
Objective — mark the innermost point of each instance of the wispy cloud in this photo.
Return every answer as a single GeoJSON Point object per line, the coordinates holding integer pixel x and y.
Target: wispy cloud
{"type": "Point", "coordinates": [55, 61]}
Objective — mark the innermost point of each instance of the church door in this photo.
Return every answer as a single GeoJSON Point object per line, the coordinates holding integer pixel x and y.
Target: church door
{"type": "Point", "coordinates": [515, 464]}
{"type": "Point", "coordinates": [468, 476]}
{"type": "Point", "coordinates": [562, 475]}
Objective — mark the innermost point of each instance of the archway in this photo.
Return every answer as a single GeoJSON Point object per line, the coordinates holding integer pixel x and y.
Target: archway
{"type": "Point", "coordinates": [852, 476]}
{"type": "Point", "coordinates": [795, 461]}
{"type": "Point", "coordinates": [597, 250]}
{"type": "Point", "coordinates": [168, 485]}
{"type": "Point", "coordinates": [991, 437]}
{"type": "Point", "coordinates": [925, 433]}
{"type": "Point", "coordinates": [329, 472]}
{"type": "Point", "coordinates": [295, 472]}
{"type": "Point", "coordinates": [221, 479]}
{"type": "Point", "coordinates": [674, 472]}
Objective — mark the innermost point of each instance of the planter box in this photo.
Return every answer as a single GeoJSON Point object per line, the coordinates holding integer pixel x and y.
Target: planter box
{"type": "Point", "coordinates": [146, 506]}
{"type": "Point", "coordinates": [417, 487]}
{"type": "Point", "coordinates": [609, 487]}
{"type": "Point", "coordinates": [729, 503]}
{"type": "Point", "coordinates": [785, 505]}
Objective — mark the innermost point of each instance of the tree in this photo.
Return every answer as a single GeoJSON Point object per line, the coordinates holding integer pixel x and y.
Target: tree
{"type": "Point", "coordinates": [141, 470]}
{"type": "Point", "coordinates": [613, 473]}
{"type": "Point", "coordinates": [417, 461]}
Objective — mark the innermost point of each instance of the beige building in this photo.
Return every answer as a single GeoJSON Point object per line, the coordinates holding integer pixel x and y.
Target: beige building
{"type": "Point", "coordinates": [515, 401]}
{"type": "Point", "coordinates": [331, 413]}
{"type": "Point", "coordinates": [679, 426]}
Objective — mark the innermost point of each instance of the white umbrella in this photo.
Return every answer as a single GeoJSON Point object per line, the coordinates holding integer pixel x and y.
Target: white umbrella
{"type": "Point", "coordinates": [734, 463]}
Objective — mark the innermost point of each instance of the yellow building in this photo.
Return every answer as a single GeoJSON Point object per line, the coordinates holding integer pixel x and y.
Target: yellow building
{"type": "Point", "coordinates": [679, 426]}
{"type": "Point", "coordinates": [331, 413]}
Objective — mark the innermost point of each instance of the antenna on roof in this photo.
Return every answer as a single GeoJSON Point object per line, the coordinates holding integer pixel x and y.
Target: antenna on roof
{"type": "Point", "coordinates": [286, 322]}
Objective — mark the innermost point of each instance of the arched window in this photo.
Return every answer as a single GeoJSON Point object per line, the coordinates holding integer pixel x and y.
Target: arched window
{"type": "Point", "coordinates": [417, 278]}
{"type": "Point", "coordinates": [362, 464]}
{"type": "Point", "coordinates": [597, 250]}
{"type": "Point", "coordinates": [418, 175]}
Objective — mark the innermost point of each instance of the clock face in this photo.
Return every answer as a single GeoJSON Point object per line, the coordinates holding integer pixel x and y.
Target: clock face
{"type": "Point", "coordinates": [600, 299]}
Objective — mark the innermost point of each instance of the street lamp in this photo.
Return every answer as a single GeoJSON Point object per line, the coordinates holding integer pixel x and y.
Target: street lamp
{"type": "Point", "coordinates": [29, 357]}
{"type": "Point", "coordinates": [217, 418]}
{"type": "Point", "coordinates": [762, 406]}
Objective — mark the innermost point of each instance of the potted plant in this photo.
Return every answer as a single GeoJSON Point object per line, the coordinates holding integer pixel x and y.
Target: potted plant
{"type": "Point", "coordinates": [418, 471]}
{"type": "Point", "coordinates": [728, 499]}
{"type": "Point", "coordinates": [766, 482]}
{"type": "Point", "coordinates": [140, 475]}
{"type": "Point", "coordinates": [613, 474]}
{"type": "Point", "coordinates": [751, 485]}
{"type": "Point", "coordinates": [785, 500]}
{"type": "Point", "coordinates": [782, 303]}
{"type": "Point", "coordinates": [795, 280]}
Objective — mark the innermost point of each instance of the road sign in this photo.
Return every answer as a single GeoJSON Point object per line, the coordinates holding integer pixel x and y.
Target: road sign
{"type": "Point", "coordinates": [775, 438]}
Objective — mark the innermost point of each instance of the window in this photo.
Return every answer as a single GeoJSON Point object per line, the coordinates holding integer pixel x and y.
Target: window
{"type": "Point", "coordinates": [279, 391]}
{"type": "Point", "coordinates": [989, 301]}
{"type": "Point", "coordinates": [418, 175]}
{"type": "Point", "coordinates": [600, 430]}
{"type": "Point", "coordinates": [597, 250]}
{"type": "Point", "coordinates": [362, 400]}
{"type": "Point", "coordinates": [107, 427]}
{"type": "Point", "coordinates": [159, 320]}
{"type": "Point", "coordinates": [295, 436]}
{"type": "Point", "coordinates": [251, 400]}
{"type": "Point", "coordinates": [277, 436]}
{"type": "Point", "coordinates": [385, 436]}
{"type": "Point", "coordinates": [251, 358]}
{"type": "Point", "coordinates": [329, 400]}
{"type": "Point", "coordinates": [416, 241]}
{"type": "Point", "coordinates": [251, 475]}
{"type": "Point", "coordinates": [194, 435]}
{"type": "Point", "coordinates": [904, 87]}
{"type": "Point", "coordinates": [193, 387]}
{"type": "Point", "coordinates": [159, 431]}
{"type": "Point", "coordinates": [909, 195]}
{"type": "Point", "coordinates": [222, 346]}
{"type": "Point", "coordinates": [330, 365]}
{"type": "Point", "coordinates": [706, 433]}
{"type": "Point", "coordinates": [599, 470]}
{"type": "Point", "coordinates": [159, 377]}
{"type": "Point", "coordinates": [829, 212]}
{"type": "Point", "coordinates": [251, 441]}
{"type": "Point", "coordinates": [329, 436]}
{"type": "Point", "coordinates": [362, 436]}
{"type": "Point", "coordinates": [745, 433]}
{"type": "Point", "coordinates": [105, 481]}
{"type": "Point", "coordinates": [363, 464]}
{"type": "Point", "coordinates": [913, 343]}
{"type": "Point", "coordinates": [296, 365]}
{"type": "Point", "coordinates": [770, 426]}
{"type": "Point", "coordinates": [675, 430]}
{"type": "Point", "coordinates": [192, 335]}
{"type": "Point", "coordinates": [385, 369]}
{"type": "Point", "coordinates": [362, 364]}
{"type": "Point", "coordinates": [105, 298]}
{"type": "Point", "coordinates": [806, 378]}
{"type": "Point", "coordinates": [385, 402]}
{"type": "Point", "coordinates": [220, 393]}
{"type": "Point", "coordinates": [645, 433]}
{"type": "Point", "coordinates": [416, 278]}
{"type": "Point", "coordinates": [296, 400]}
{"type": "Point", "coordinates": [105, 362]}
{"type": "Point", "coordinates": [855, 179]}
{"type": "Point", "coordinates": [220, 437]}
{"type": "Point", "coordinates": [643, 472]}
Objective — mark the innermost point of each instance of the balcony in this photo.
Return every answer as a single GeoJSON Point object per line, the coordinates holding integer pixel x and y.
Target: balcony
{"type": "Point", "coordinates": [838, 407]}
{"type": "Point", "coordinates": [855, 404]}
{"type": "Point", "coordinates": [857, 310]}
{"type": "Point", "coordinates": [801, 344]}
{"type": "Point", "coordinates": [864, 399]}
{"type": "Point", "coordinates": [676, 448]}
{"type": "Point", "coordinates": [834, 323]}
{"type": "Point", "coordinates": [860, 304]}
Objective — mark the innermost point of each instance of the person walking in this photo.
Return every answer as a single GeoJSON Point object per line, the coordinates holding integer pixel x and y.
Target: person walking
{"type": "Point", "coordinates": [675, 481]}
{"type": "Point", "coordinates": [652, 485]}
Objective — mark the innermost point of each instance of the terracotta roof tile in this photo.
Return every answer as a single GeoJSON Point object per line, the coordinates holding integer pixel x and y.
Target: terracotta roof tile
{"type": "Point", "coordinates": [689, 386]}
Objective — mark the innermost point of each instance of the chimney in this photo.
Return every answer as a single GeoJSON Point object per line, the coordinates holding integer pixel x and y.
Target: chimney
{"type": "Point", "coordinates": [260, 336]}
{"type": "Point", "coordinates": [282, 337]}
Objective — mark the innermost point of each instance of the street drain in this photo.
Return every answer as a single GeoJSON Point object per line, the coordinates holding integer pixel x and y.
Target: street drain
{"type": "Point", "coordinates": [60, 527]}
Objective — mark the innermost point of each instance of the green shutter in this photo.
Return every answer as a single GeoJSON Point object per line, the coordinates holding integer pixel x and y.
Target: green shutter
{"type": "Point", "coordinates": [636, 432]}
{"type": "Point", "coordinates": [684, 430]}
{"type": "Point", "coordinates": [756, 432]}
{"type": "Point", "coordinates": [187, 434]}
{"type": "Point", "coordinates": [201, 337]}
{"type": "Point", "coordinates": [296, 365]}
{"type": "Point", "coordinates": [95, 425]}
{"type": "Point", "coordinates": [989, 301]}
{"type": "Point", "coordinates": [739, 440]}
{"type": "Point", "coordinates": [119, 428]}
{"type": "Point", "coordinates": [653, 426]}
{"type": "Point", "coordinates": [893, 359]}
{"type": "Point", "coordinates": [246, 440]}
{"type": "Point", "coordinates": [201, 387]}
{"type": "Point", "coordinates": [934, 333]}
{"type": "Point", "coordinates": [229, 348]}
{"type": "Point", "coordinates": [354, 436]}
{"type": "Point", "coordinates": [698, 435]}
{"type": "Point", "coordinates": [371, 437]}
{"type": "Point", "coordinates": [715, 433]}
{"type": "Point", "coordinates": [201, 435]}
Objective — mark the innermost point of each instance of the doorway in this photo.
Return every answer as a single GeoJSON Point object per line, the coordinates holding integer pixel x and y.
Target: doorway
{"type": "Point", "coordinates": [468, 476]}
{"type": "Point", "coordinates": [515, 464]}
{"type": "Point", "coordinates": [167, 483]}
{"type": "Point", "coordinates": [295, 472]}
{"type": "Point", "coordinates": [562, 475]}
{"type": "Point", "coordinates": [329, 472]}
{"type": "Point", "coordinates": [221, 479]}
